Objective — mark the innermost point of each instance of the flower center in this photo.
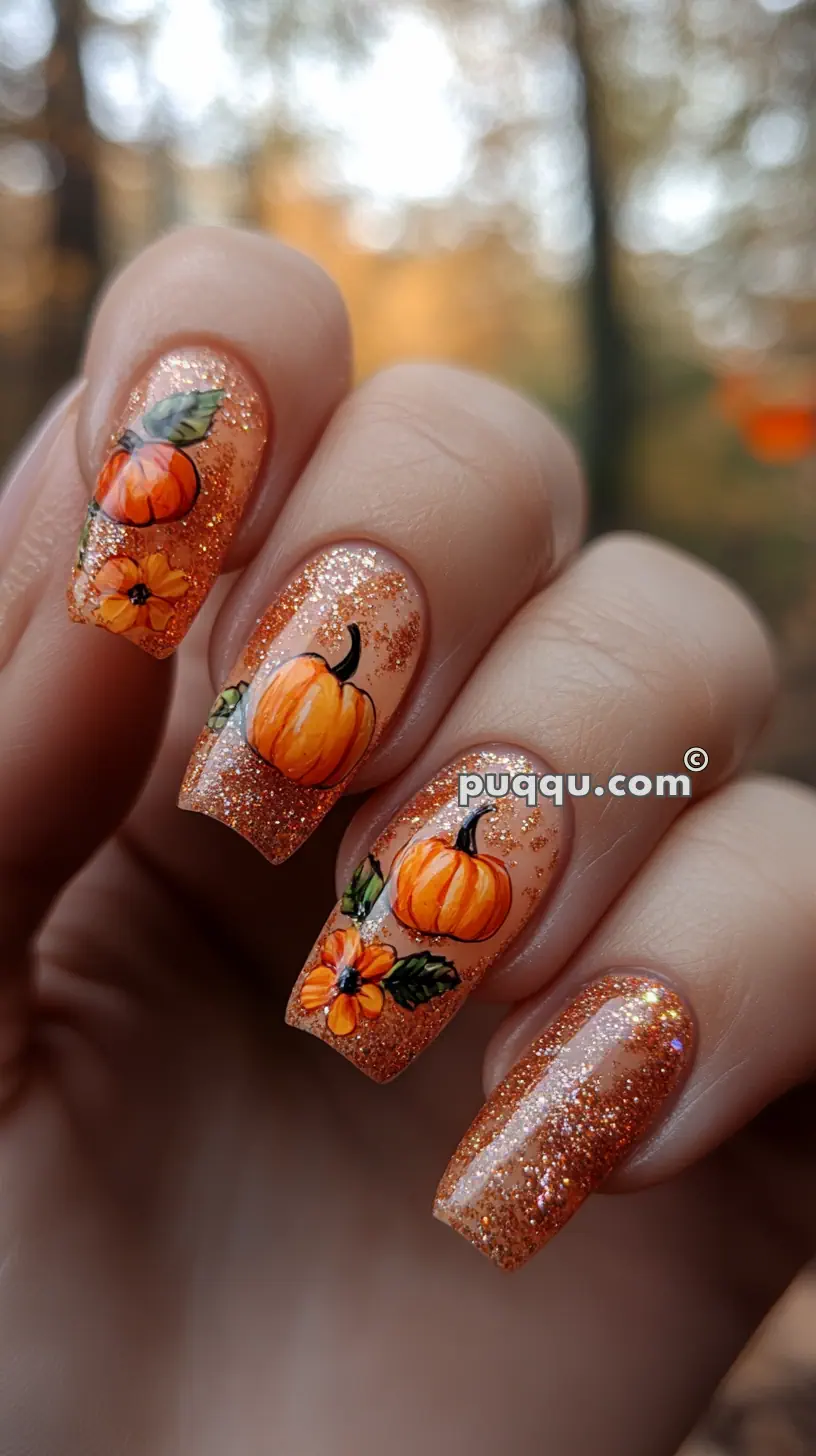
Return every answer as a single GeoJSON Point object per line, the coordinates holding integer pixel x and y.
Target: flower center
{"type": "Point", "coordinates": [139, 594]}
{"type": "Point", "coordinates": [349, 981]}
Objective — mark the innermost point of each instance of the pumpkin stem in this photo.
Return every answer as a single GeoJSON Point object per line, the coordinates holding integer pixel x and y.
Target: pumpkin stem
{"type": "Point", "coordinates": [347, 667]}
{"type": "Point", "coordinates": [466, 838]}
{"type": "Point", "coordinates": [129, 441]}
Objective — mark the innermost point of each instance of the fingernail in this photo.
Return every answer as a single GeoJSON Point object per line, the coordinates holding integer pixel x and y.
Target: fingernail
{"type": "Point", "coordinates": [443, 892]}
{"type": "Point", "coordinates": [308, 699]}
{"type": "Point", "coordinates": [566, 1115]}
{"type": "Point", "coordinates": [182, 462]}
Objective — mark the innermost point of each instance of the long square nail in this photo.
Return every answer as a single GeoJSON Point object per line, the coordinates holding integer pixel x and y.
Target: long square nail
{"type": "Point", "coordinates": [444, 891]}
{"type": "Point", "coordinates": [566, 1115]}
{"type": "Point", "coordinates": [182, 462]}
{"type": "Point", "coordinates": [309, 698]}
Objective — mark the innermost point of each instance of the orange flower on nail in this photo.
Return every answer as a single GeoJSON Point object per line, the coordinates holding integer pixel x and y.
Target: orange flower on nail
{"type": "Point", "coordinates": [138, 593]}
{"type": "Point", "coordinates": [346, 980]}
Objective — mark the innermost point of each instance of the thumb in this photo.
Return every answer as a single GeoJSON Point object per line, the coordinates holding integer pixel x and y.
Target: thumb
{"type": "Point", "coordinates": [81, 713]}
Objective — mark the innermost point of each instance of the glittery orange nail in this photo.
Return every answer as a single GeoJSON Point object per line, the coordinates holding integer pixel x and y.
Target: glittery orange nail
{"type": "Point", "coordinates": [566, 1115]}
{"type": "Point", "coordinates": [443, 892]}
{"type": "Point", "coordinates": [182, 462]}
{"type": "Point", "coordinates": [310, 696]}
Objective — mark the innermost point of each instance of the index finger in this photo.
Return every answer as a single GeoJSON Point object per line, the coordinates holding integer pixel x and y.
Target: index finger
{"type": "Point", "coordinates": [81, 714]}
{"type": "Point", "coordinates": [212, 368]}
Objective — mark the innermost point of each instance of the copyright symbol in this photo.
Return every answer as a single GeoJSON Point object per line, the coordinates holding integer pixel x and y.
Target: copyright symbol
{"type": "Point", "coordinates": [695, 759]}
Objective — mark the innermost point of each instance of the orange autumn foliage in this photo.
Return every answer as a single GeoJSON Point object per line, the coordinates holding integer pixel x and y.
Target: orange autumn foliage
{"type": "Point", "coordinates": [780, 434]}
{"type": "Point", "coordinates": [777, 432]}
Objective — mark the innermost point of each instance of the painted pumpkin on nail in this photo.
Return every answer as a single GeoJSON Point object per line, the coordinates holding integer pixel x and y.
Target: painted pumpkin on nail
{"type": "Point", "coordinates": [310, 721]}
{"type": "Point", "coordinates": [439, 888]}
{"type": "Point", "coordinates": [149, 479]}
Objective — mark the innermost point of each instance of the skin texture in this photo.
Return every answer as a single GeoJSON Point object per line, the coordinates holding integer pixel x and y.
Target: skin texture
{"type": "Point", "coordinates": [215, 1236]}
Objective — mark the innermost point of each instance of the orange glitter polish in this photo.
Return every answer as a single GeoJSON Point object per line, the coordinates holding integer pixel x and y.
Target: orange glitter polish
{"type": "Point", "coordinates": [566, 1115]}
{"type": "Point", "coordinates": [308, 699]}
{"type": "Point", "coordinates": [443, 892]}
{"type": "Point", "coordinates": [182, 463]}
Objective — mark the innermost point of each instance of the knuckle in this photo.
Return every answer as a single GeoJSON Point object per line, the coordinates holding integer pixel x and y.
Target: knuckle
{"type": "Point", "coordinates": [567, 636]}
{"type": "Point", "coordinates": [221, 263]}
{"type": "Point", "coordinates": [636, 625]}
{"type": "Point", "coordinates": [680, 585]}
{"type": "Point", "coordinates": [757, 835]}
{"type": "Point", "coordinates": [497, 445]}
{"type": "Point", "coordinates": [638, 592]}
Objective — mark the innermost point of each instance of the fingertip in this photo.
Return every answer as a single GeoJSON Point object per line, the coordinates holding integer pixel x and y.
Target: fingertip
{"type": "Point", "coordinates": [270, 305]}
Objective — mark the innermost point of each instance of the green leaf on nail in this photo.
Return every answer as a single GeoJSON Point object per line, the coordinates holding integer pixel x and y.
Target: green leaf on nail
{"type": "Point", "coordinates": [225, 705]}
{"type": "Point", "coordinates": [363, 890]}
{"type": "Point", "coordinates": [85, 533]}
{"type": "Point", "coordinates": [419, 978]}
{"type": "Point", "coordinates": [183, 419]}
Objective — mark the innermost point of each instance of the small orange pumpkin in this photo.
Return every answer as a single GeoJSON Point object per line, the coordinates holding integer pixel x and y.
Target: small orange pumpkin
{"type": "Point", "coordinates": [145, 481]}
{"type": "Point", "coordinates": [448, 889]}
{"type": "Point", "coordinates": [311, 721]}
{"type": "Point", "coordinates": [149, 478]}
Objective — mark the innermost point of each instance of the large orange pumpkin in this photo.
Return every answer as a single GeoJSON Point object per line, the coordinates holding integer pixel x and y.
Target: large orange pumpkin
{"type": "Point", "coordinates": [441, 888]}
{"type": "Point", "coordinates": [310, 721]}
{"type": "Point", "coordinates": [146, 481]}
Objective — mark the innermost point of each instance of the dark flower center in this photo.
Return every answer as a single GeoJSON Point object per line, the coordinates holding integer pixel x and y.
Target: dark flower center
{"type": "Point", "coordinates": [139, 594]}
{"type": "Point", "coordinates": [349, 981]}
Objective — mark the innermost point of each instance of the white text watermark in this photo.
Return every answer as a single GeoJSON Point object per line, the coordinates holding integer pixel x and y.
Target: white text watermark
{"type": "Point", "coordinates": [558, 787]}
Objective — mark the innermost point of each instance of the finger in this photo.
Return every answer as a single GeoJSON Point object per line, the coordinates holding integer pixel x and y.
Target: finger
{"type": "Point", "coordinates": [719, 929]}
{"type": "Point", "coordinates": [436, 503]}
{"type": "Point", "coordinates": [635, 652]}
{"type": "Point", "coordinates": [24, 470]}
{"type": "Point", "coordinates": [70, 710]}
{"type": "Point", "coordinates": [205, 348]}
{"type": "Point", "coordinates": [84, 699]}
{"type": "Point", "coordinates": [80, 719]}
{"type": "Point", "coordinates": [726, 909]}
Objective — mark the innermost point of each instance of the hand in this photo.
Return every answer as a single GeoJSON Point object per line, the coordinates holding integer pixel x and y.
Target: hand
{"type": "Point", "coordinates": [215, 1234]}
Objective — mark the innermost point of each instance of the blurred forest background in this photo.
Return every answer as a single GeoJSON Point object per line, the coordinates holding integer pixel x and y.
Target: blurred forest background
{"type": "Point", "coordinates": [608, 203]}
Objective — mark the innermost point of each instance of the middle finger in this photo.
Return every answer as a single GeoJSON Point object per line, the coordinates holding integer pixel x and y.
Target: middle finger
{"type": "Point", "coordinates": [436, 503]}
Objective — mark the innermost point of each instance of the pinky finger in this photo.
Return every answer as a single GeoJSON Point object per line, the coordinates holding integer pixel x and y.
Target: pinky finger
{"type": "Point", "coordinates": [700, 978]}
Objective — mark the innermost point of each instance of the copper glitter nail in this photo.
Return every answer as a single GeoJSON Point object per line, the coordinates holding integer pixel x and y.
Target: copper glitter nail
{"type": "Point", "coordinates": [308, 699]}
{"type": "Point", "coordinates": [182, 462]}
{"type": "Point", "coordinates": [442, 894]}
{"type": "Point", "coordinates": [565, 1116]}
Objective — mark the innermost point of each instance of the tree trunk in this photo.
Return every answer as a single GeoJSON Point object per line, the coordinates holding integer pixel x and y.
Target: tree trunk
{"type": "Point", "coordinates": [77, 237]}
{"type": "Point", "coordinates": [610, 393]}
{"type": "Point", "coordinates": [71, 136]}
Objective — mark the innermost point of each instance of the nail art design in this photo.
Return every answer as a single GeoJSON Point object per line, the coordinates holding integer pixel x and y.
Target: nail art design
{"type": "Point", "coordinates": [312, 693]}
{"type": "Point", "coordinates": [138, 594]}
{"type": "Point", "coordinates": [566, 1115]}
{"type": "Point", "coordinates": [311, 722]}
{"type": "Point", "coordinates": [442, 894]}
{"type": "Point", "coordinates": [168, 499]}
